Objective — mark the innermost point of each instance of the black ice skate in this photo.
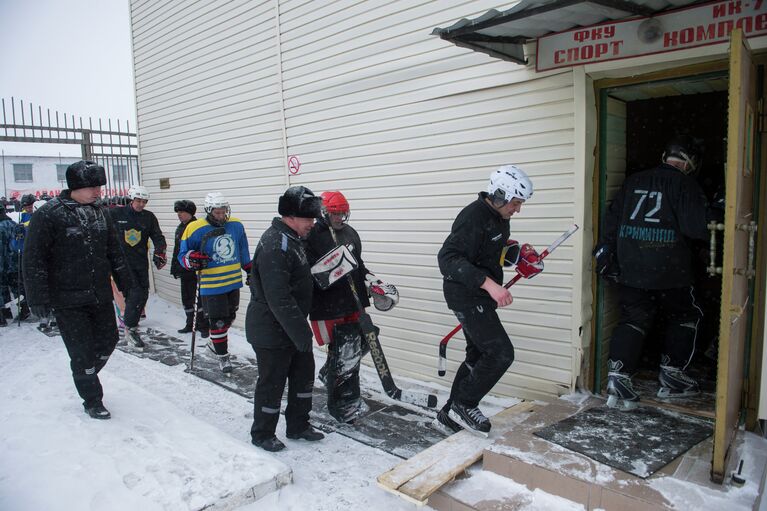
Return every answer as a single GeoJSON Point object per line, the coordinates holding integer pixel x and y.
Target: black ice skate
{"type": "Point", "coordinates": [444, 424]}
{"type": "Point", "coordinates": [225, 364]}
{"type": "Point", "coordinates": [134, 338]}
{"type": "Point", "coordinates": [620, 390]}
{"type": "Point", "coordinates": [674, 382]}
{"type": "Point", "coordinates": [471, 419]}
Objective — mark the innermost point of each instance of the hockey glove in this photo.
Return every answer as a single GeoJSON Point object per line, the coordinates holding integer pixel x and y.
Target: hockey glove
{"type": "Point", "coordinates": [529, 264]}
{"type": "Point", "coordinates": [510, 253]}
{"type": "Point", "coordinates": [196, 260]}
{"type": "Point", "coordinates": [606, 261]}
{"type": "Point", "coordinates": [41, 311]}
{"type": "Point", "coordinates": [385, 296]}
{"type": "Point", "coordinates": [159, 260]}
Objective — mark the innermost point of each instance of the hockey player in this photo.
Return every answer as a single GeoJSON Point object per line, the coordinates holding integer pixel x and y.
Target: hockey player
{"type": "Point", "coordinates": [16, 281]}
{"type": "Point", "coordinates": [135, 227]}
{"type": "Point", "coordinates": [186, 209]}
{"type": "Point", "coordinates": [276, 325]}
{"type": "Point", "coordinates": [335, 314]}
{"type": "Point", "coordinates": [217, 247]}
{"type": "Point", "coordinates": [471, 261]}
{"type": "Point", "coordinates": [67, 235]}
{"type": "Point", "coordinates": [645, 247]}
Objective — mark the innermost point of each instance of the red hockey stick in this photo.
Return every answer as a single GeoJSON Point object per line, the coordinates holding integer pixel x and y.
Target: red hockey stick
{"type": "Point", "coordinates": [442, 367]}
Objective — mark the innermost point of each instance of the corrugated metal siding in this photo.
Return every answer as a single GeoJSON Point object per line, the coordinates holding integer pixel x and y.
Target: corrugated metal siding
{"type": "Point", "coordinates": [406, 125]}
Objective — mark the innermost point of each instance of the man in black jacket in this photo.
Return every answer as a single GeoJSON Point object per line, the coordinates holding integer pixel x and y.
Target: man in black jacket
{"type": "Point", "coordinates": [335, 313]}
{"type": "Point", "coordinates": [276, 325]}
{"type": "Point", "coordinates": [71, 249]}
{"type": "Point", "coordinates": [645, 247]}
{"type": "Point", "coordinates": [186, 209]}
{"type": "Point", "coordinates": [135, 226]}
{"type": "Point", "coordinates": [471, 261]}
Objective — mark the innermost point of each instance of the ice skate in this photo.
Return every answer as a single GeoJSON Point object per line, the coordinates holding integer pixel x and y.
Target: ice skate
{"type": "Point", "coordinates": [620, 392]}
{"type": "Point", "coordinates": [133, 338]}
{"type": "Point", "coordinates": [674, 382]}
{"type": "Point", "coordinates": [471, 419]}
{"type": "Point", "coordinates": [225, 364]}
{"type": "Point", "coordinates": [445, 425]}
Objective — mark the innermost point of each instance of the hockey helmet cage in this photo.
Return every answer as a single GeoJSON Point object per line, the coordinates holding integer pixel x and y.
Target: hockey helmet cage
{"type": "Point", "coordinates": [27, 200]}
{"type": "Point", "coordinates": [334, 202]}
{"type": "Point", "coordinates": [507, 183]}
{"type": "Point", "coordinates": [685, 148]}
{"type": "Point", "coordinates": [138, 192]}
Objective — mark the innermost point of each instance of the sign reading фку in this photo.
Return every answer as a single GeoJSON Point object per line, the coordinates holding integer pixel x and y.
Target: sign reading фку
{"type": "Point", "coordinates": [683, 28]}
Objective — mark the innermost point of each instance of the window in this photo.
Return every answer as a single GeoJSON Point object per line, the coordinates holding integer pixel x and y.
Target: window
{"type": "Point", "coordinates": [61, 171]}
{"type": "Point", "coordinates": [22, 172]}
{"type": "Point", "coordinates": [120, 174]}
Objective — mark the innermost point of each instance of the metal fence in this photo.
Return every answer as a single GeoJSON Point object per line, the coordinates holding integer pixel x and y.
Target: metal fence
{"type": "Point", "coordinates": [111, 144]}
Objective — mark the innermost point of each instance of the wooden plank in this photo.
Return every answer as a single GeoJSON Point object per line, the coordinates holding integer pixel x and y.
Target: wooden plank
{"type": "Point", "coordinates": [417, 478]}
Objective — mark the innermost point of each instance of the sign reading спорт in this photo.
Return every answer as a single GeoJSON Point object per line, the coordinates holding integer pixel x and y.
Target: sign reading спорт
{"type": "Point", "coordinates": [683, 28]}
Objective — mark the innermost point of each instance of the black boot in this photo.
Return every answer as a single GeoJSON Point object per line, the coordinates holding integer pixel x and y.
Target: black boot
{"type": "Point", "coordinates": [272, 444]}
{"type": "Point", "coordinates": [188, 328]}
{"type": "Point", "coordinates": [24, 312]}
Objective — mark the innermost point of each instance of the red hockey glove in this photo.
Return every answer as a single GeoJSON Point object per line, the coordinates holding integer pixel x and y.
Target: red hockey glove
{"type": "Point", "coordinates": [529, 264]}
{"type": "Point", "coordinates": [385, 296]}
{"type": "Point", "coordinates": [159, 260]}
{"type": "Point", "coordinates": [196, 260]}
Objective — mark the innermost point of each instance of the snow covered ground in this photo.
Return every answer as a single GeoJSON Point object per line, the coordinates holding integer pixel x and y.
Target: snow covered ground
{"type": "Point", "coordinates": [175, 442]}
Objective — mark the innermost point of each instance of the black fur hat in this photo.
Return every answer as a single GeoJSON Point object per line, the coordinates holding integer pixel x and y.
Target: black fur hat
{"type": "Point", "coordinates": [185, 205]}
{"type": "Point", "coordinates": [299, 201]}
{"type": "Point", "coordinates": [84, 174]}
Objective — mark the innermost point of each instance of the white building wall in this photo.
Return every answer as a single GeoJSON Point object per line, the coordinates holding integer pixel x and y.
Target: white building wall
{"type": "Point", "coordinates": [408, 126]}
{"type": "Point", "coordinates": [44, 174]}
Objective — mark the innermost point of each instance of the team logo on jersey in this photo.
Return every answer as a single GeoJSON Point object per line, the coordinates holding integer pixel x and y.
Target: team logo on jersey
{"type": "Point", "coordinates": [132, 237]}
{"type": "Point", "coordinates": [223, 248]}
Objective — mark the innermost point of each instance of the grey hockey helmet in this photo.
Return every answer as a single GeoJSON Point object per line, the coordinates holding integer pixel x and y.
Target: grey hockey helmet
{"type": "Point", "coordinates": [509, 182]}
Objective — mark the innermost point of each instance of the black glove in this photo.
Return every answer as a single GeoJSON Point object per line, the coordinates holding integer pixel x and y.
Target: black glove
{"type": "Point", "coordinates": [159, 260]}
{"type": "Point", "coordinates": [247, 279]}
{"type": "Point", "coordinates": [41, 311]}
{"type": "Point", "coordinates": [606, 261]}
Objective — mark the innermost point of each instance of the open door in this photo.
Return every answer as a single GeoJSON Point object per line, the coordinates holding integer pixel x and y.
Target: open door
{"type": "Point", "coordinates": [739, 228]}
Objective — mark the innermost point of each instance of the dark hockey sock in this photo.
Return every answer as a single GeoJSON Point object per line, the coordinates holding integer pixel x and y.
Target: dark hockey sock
{"type": "Point", "coordinates": [220, 339]}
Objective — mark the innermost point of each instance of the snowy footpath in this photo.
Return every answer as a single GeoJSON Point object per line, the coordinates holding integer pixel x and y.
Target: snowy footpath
{"type": "Point", "coordinates": [178, 442]}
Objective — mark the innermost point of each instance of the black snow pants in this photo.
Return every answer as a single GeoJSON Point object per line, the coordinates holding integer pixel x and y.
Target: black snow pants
{"type": "Point", "coordinates": [275, 367]}
{"type": "Point", "coordinates": [489, 353]}
{"type": "Point", "coordinates": [135, 300]}
{"type": "Point", "coordinates": [90, 336]}
{"type": "Point", "coordinates": [639, 309]}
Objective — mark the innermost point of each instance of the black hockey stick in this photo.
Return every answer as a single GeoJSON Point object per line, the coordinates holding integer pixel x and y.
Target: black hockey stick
{"type": "Point", "coordinates": [213, 233]}
{"type": "Point", "coordinates": [370, 332]}
{"type": "Point", "coordinates": [19, 277]}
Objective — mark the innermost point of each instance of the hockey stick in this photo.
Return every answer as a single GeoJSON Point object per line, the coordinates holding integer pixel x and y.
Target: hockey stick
{"type": "Point", "coordinates": [376, 352]}
{"type": "Point", "coordinates": [19, 280]}
{"type": "Point", "coordinates": [442, 366]}
{"type": "Point", "coordinates": [213, 233]}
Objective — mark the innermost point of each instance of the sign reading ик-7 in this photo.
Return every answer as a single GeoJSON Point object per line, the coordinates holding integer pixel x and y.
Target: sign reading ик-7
{"type": "Point", "coordinates": [679, 29]}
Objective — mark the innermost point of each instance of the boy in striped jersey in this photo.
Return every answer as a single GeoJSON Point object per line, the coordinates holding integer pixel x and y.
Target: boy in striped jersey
{"type": "Point", "coordinates": [216, 246]}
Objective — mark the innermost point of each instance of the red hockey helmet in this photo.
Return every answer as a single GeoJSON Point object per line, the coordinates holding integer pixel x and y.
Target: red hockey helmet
{"type": "Point", "coordinates": [336, 208]}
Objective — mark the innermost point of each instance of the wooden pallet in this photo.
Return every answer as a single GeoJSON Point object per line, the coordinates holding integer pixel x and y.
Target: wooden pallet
{"type": "Point", "coordinates": [417, 478]}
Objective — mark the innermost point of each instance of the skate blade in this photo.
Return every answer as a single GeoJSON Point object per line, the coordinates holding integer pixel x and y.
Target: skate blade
{"type": "Point", "coordinates": [667, 393]}
{"type": "Point", "coordinates": [621, 404]}
{"type": "Point", "coordinates": [436, 424]}
{"type": "Point", "coordinates": [467, 427]}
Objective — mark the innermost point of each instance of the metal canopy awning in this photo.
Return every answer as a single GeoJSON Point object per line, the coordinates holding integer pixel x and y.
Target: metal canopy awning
{"type": "Point", "coordinates": [502, 34]}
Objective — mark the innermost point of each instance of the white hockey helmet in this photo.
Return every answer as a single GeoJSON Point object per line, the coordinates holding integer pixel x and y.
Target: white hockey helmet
{"type": "Point", "coordinates": [216, 200]}
{"type": "Point", "coordinates": [509, 182]}
{"type": "Point", "coordinates": [37, 205]}
{"type": "Point", "coordinates": [138, 192]}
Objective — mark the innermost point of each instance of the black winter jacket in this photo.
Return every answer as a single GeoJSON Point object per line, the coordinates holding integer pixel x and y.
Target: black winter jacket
{"type": "Point", "coordinates": [649, 221]}
{"type": "Point", "coordinates": [70, 251]}
{"type": "Point", "coordinates": [281, 291]}
{"type": "Point", "coordinates": [175, 267]}
{"type": "Point", "coordinates": [134, 229]}
{"type": "Point", "coordinates": [337, 301]}
{"type": "Point", "coordinates": [471, 252]}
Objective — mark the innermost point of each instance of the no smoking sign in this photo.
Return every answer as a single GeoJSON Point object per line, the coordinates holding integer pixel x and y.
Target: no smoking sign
{"type": "Point", "coordinates": [294, 164]}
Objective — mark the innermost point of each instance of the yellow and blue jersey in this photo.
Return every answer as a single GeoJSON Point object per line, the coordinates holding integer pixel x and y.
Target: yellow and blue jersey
{"type": "Point", "coordinates": [229, 255]}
